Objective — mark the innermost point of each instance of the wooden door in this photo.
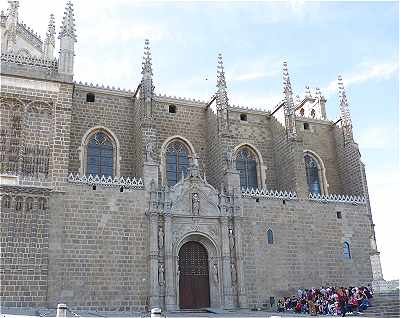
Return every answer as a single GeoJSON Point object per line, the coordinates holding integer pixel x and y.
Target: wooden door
{"type": "Point", "coordinates": [194, 288]}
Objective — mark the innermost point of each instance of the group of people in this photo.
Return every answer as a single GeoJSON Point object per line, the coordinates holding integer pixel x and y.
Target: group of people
{"type": "Point", "coordinates": [327, 301]}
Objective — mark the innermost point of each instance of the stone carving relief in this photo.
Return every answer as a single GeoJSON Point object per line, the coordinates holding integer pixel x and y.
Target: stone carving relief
{"type": "Point", "coordinates": [160, 238]}
{"type": "Point", "coordinates": [195, 204]}
{"type": "Point", "coordinates": [233, 274]}
{"type": "Point", "coordinates": [161, 275]}
{"type": "Point", "coordinates": [231, 240]}
{"type": "Point", "coordinates": [215, 273]}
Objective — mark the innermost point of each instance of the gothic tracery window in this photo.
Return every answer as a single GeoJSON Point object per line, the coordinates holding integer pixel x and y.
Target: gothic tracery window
{"type": "Point", "coordinates": [177, 161]}
{"type": "Point", "coordinates": [100, 153]}
{"type": "Point", "coordinates": [312, 173]}
{"type": "Point", "coordinates": [246, 164]}
{"type": "Point", "coordinates": [6, 202]}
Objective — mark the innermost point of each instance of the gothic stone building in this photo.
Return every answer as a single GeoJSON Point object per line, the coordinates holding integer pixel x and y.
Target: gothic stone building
{"type": "Point", "coordinates": [116, 200]}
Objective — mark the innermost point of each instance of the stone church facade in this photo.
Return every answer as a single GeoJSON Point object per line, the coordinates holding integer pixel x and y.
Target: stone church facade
{"type": "Point", "coordinates": [119, 200]}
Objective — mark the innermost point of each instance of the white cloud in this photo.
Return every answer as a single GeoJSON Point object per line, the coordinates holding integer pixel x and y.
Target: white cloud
{"type": "Point", "coordinates": [375, 137]}
{"type": "Point", "coordinates": [364, 72]}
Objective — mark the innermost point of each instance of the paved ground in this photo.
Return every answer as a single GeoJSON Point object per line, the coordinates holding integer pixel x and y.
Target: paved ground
{"type": "Point", "coordinates": [246, 314]}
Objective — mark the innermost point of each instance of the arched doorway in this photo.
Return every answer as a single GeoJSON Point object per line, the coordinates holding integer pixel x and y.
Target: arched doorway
{"type": "Point", "coordinates": [194, 285]}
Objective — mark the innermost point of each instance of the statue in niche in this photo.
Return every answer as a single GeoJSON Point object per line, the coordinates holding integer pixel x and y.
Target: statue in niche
{"type": "Point", "coordinates": [161, 271]}
{"type": "Point", "coordinates": [160, 238]}
{"type": "Point", "coordinates": [195, 204]}
{"type": "Point", "coordinates": [215, 273]}
{"type": "Point", "coordinates": [231, 240]}
{"type": "Point", "coordinates": [149, 152]}
{"type": "Point", "coordinates": [233, 273]}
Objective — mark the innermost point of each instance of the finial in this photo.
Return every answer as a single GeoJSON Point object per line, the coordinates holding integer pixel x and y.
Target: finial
{"type": "Point", "coordinates": [147, 67]}
{"type": "Point", "coordinates": [287, 86]}
{"type": "Point", "coordinates": [318, 92]}
{"type": "Point", "coordinates": [68, 23]}
{"type": "Point", "coordinates": [51, 31]}
{"type": "Point", "coordinates": [13, 8]}
{"type": "Point", "coordinates": [298, 100]}
{"type": "Point", "coordinates": [308, 92]}
{"type": "Point", "coordinates": [344, 111]}
{"type": "Point", "coordinates": [289, 108]}
{"type": "Point", "coordinates": [222, 95]}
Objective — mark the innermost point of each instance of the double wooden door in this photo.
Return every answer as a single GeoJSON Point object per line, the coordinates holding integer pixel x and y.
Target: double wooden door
{"type": "Point", "coordinates": [194, 286]}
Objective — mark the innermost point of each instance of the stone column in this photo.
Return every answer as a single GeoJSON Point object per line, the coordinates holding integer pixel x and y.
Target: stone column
{"type": "Point", "coordinates": [241, 288]}
{"type": "Point", "coordinates": [170, 290]}
{"type": "Point", "coordinates": [226, 264]}
{"type": "Point", "coordinates": [154, 284]}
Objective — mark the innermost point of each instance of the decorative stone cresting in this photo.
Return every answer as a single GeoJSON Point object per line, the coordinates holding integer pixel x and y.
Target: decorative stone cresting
{"type": "Point", "coordinates": [34, 61]}
{"type": "Point", "coordinates": [126, 182]}
{"type": "Point", "coordinates": [269, 194]}
{"type": "Point", "coordinates": [337, 198]}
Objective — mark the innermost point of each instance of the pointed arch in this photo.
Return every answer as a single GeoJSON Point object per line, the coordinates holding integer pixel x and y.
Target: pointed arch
{"type": "Point", "coordinates": [112, 142]}
{"type": "Point", "coordinates": [315, 172]}
{"type": "Point", "coordinates": [175, 154]}
{"type": "Point", "coordinates": [259, 168]}
{"type": "Point", "coordinates": [346, 250]}
{"type": "Point", "coordinates": [270, 237]}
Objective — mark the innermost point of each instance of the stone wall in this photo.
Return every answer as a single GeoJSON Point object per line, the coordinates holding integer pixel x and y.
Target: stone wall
{"type": "Point", "coordinates": [320, 138]}
{"type": "Point", "coordinates": [24, 230]}
{"type": "Point", "coordinates": [112, 110]}
{"type": "Point", "coordinates": [349, 165]}
{"type": "Point", "coordinates": [189, 122]}
{"type": "Point", "coordinates": [308, 246]}
{"type": "Point", "coordinates": [98, 249]}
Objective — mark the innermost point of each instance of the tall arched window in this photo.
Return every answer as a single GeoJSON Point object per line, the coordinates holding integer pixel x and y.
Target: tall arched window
{"type": "Point", "coordinates": [312, 172]}
{"type": "Point", "coordinates": [246, 164]}
{"type": "Point", "coordinates": [100, 155]}
{"type": "Point", "coordinates": [177, 161]}
{"type": "Point", "coordinates": [346, 250]}
{"type": "Point", "coordinates": [270, 237]}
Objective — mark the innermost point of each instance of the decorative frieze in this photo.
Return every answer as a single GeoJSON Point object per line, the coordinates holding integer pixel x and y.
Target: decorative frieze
{"type": "Point", "coordinates": [269, 194]}
{"type": "Point", "coordinates": [337, 198]}
{"type": "Point", "coordinates": [33, 61]}
{"type": "Point", "coordinates": [126, 182]}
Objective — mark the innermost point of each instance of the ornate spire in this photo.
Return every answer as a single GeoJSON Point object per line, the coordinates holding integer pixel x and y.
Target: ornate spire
{"type": "Point", "coordinates": [147, 67]}
{"type": "Point", "coordinates": [318, 93]}
{"type": "Point", "coordinates": [50, 40]}
{"type": "Point", "coordinates": [68, 23]}
{"type": "Point", "coordinates": [51, 31]}
{"type": "Point", "coordinates": [307, 91]}
{"type": "Point", "coordinates": [289, 107]}
{"type": "Point", "coordinates": [222, 95]}
{"type": "Point", "coordinates": [222, 100]}
{"type": "Point", "coordinates": [344, 111]}
{"type": "Point", "coordinates": [11, 25]}
{"type": "Point", "coordinates": [147, 87]}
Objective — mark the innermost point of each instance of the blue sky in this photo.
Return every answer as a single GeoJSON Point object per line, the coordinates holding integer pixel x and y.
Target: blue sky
{"type": "Point", "coordinates": [319, 40]}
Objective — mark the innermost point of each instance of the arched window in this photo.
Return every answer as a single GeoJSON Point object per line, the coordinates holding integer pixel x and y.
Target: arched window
{"type": "Point", "coordinates": [312, 172]}
{"type": "Point", "coordinates": [246, 164]}
{"type": "Point", "coordinates": [6, 202]}
{"type": "Point", "coordinates": [18, 203]}
{"type": "Point", "coordinates": [100, 155]}
{"type": "Point", "coordinates": [270, 237]}
{"type": "Point", "coordinates": [346, 250]}
{"type": "Point", "coordinates": [177, 161]}
{"type": "Point", "coordinates": [29, 204]}
{"type": "Point", "coordinates": [42, 203]}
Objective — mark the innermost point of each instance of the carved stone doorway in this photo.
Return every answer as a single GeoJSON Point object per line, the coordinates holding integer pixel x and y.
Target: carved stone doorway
{"type": "Point", "coordinates": [194, 284]}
